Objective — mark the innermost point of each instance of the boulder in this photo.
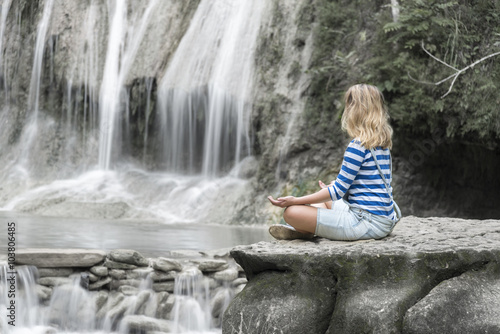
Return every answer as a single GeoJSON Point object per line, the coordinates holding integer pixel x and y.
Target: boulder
{"type": "Point", "coordinates": [54, 272]}
{"type": "Point", "coordinates": [128, 256]}
{"type": "Point", "coordinates": [59, 258]}
{"type": "Point", "coordinates": [469, 303]}
{"type": "Point", "coordinates": [209, 265]}
{"type": "Point", "coordinates": [167, 265]}
{"type": "Point", "coordinates": [99, 271]}
{"type": "Point", "coordinates": [141, 323]}
{"type": "Point", "coordinates": [400, 284]}
{"type": "Point", "coordinates": [227, 275]}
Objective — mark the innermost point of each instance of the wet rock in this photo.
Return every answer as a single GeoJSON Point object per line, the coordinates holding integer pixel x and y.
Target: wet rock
{"type": "Point", "coordinates": [128, 290]}
{"type": "Point", "coordinates": [162, 277]}
{"type": "Point", "coordinates": [43, 293]}
{"type": "Point", "coordinates": [54, 281]}
{"type": "Point", "coordinates": [241, 280]}
{"type": "Point", "coordinates": [212, 265]}
{"type": "Point", "coordinates": [220, 301]}
{"type": "Point", "coordinates": [139, 273]}
{"type": "Point", "coordinates": [167, 286]}
{"type": "Point", "coordinates": [99, 284]}
{"type": "Point", "coordinates": [118, 265]}
{"type": "Point", "coordinates": [227, 275]}
{"type": "Point", "coordinates": [55, 272]}
{"type": "Point", "coordinates": [99, 271]}
{"type": "Point", "coordinates": [117, 274]}
{"type": "Point", "coordinates": [59, 258]}
{"type": "Point", "coordinates": [93, 278]}
{"type": "Point", "coordinates": [141, 323]}
{"type": "Point", "coordinates": [167, 265]}
{"type": "Point", "coordinates": [100, 299]}
{"type": "Point", "coordinates": [115, 284]}
{"type": "Point", "coordinates": [128, 256]}
{"type": "Point", "coordinates": [217, 253]}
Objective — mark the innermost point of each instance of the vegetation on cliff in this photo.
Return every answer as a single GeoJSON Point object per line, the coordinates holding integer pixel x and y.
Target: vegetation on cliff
{"type": "Point", "coordinates": [446, 134]}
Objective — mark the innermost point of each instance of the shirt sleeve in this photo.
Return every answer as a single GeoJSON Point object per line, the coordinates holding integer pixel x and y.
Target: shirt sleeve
{"type": "Point", "coordinates": [353, 159]}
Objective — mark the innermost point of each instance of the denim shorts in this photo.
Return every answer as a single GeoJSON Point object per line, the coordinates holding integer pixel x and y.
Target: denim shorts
{"type": "Point", "coordinates": [343, 222]}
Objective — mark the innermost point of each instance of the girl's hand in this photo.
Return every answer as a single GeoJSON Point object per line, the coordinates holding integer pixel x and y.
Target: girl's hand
{"type": "Point", "coordinates": [282, 202]}
{"type": "Point", "coordinates": [323, 186]}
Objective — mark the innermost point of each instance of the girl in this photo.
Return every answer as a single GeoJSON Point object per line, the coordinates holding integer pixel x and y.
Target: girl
{"type": "Point", "coordinates": [358, 204]}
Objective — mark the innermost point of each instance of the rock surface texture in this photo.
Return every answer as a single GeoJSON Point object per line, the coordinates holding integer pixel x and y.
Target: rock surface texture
{"type": "Point", "coordinates": [431, 275]}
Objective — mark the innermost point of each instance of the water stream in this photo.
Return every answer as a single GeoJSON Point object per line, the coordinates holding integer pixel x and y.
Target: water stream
{"type": "Point", "coordinates": [128, 130]}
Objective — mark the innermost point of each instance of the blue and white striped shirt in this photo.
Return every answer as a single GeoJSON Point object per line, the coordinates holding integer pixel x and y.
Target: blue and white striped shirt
{"type": "Point", "coordinates": [360, 179]}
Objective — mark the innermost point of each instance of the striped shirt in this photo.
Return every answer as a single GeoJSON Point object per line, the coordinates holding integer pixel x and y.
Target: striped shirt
{"type": "Point", "coordinates": [360, 179]}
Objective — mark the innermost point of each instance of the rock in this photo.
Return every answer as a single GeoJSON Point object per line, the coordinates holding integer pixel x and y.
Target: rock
{"type": "Point", "coordinates": [162, 277]}
{"type": "Point", "coordinates": [184, 253]}
{"type": "Point", "coordinates": [220, 301]}
{"type": "Point", "coordinates": [59, 258]}
{"type": "Point", "coordinates": [167, 265]}
{"type": "Point", "coordinates": [118, 265]}
{"type": "Point", "coordinates": [139, 273]}
{"type": "Point", "coordinates": [212, 265]}
{"type": "Point", "coordinates": [99, 284]}
{"type": "Point", "coordinates": [117, 274]}
{"type": "Point", "coordinates": [239, 281]}
{"type": "Point", "coordinates": [141, 323]}
{"type": "Point", "coordinates": [239, 288]}
{"type": "Point", "coordinates": [93, 278]}
{"type": "Point", "coordinates": [217, 253]}
{"type": "Point", "coordinates": [128, 256]}
{"type": "Point", "coordinates": [113, 300]}
{"type": "Point", "coordinates": [99, 271]}
{"type": "Point", "coordinates": [130, 282]}
{"type": "Point", "coordinates": [323, 286]}
{"type": "Point", "coordinates": [128, 290]}
{"type": "Point", "coordinates": [167, 286]}
{"type": "Point", "coordinates": [100, 299]}
{"type": "Point", "coordinates": [54, 281]}
{"type": "Point", "coordinates": [474, 297]}
{"type": "Point", "coordinates": [228, 275]}
{"type": "Point", "coordinates": [43, 293]}
{"type": "Point", "coordinates": [55, 272]}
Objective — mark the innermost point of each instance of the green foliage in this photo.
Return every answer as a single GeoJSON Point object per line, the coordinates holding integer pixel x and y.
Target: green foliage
{"type": "Point", "coordinates": [358, 41]}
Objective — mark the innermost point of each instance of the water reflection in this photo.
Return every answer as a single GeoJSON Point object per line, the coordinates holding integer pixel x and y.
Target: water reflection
{"type": "Point", "coordinates": [149, 238]}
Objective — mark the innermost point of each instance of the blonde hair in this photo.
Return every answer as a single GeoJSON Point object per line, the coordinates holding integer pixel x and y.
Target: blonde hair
{"type": "Point", "coordinates": [365, 116]}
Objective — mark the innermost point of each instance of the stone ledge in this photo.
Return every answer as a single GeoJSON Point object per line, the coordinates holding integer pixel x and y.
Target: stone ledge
{"type": "Point", "coordinates": [59, 258]}
{"type": "Point", "coordinates": [324, 286]}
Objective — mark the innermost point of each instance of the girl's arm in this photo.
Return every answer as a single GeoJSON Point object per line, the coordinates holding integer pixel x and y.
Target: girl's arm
{"type": "Point", "coordinates": [318, 197]}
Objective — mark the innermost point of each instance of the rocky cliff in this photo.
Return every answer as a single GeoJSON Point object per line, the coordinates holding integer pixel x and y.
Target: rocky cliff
{"type": "Point", "coordinates": [431, 275]}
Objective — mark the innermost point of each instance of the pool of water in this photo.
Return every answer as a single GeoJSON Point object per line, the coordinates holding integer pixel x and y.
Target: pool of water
{"type": "Point", "coordinates": [148, 237]}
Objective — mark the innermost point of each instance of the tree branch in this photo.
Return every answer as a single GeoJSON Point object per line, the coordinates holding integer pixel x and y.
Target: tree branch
{"type": "Point", "coordinates": [454, 75]}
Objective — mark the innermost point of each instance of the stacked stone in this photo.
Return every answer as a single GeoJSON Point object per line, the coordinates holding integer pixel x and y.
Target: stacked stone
{"type": "Point", "coordinates": [119, 274]}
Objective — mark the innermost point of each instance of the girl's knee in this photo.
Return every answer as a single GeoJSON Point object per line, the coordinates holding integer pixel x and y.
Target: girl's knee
{"type": "Point", "coordinates": [290, 213]}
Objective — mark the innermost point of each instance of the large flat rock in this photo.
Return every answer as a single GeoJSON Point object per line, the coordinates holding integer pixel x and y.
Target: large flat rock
{"type": "Point", "coordinates": [59, 258]}
{"type": "Point", "coordinates": [409, 282]}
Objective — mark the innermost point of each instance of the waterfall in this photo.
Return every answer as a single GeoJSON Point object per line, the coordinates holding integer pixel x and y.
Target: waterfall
{"type": "Point", "coordinates": [3, 21]}
{"type": "Point", "coordinates": [73, 309]}
{"type": "Point", "coordinates": [132, 111]}
{"type": "Point", "coordinates": [205, 96]}
{"type": "Point", "coordinates": [31, 131]}
{"type": "Point", "coordinates": [192, 307]}
{"type": "Point", "coordinates": [122, 48]}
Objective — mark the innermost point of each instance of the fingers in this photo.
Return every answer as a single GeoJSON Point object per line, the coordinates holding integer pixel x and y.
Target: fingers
{"type": "Point", "coordinates": [279, 202]}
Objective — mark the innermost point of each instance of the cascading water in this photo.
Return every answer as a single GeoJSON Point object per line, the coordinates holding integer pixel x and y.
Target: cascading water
{"type": "Point", "coordinates": [73, 309]}
{"type": "Point", "coordinates": [87, 149]}
{"type": "Point", "coordinates": [76, 140]}
{"type": "Point", "coordinates": [204, 95]}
